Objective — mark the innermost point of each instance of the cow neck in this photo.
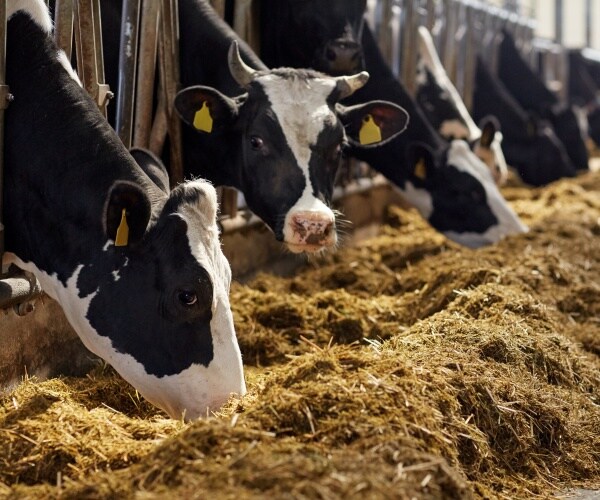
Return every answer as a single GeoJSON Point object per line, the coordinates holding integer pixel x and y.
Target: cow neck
{"type": "Point", "coordinates": [382, 85]}
{"type": "Point", "coordinates": [61, 158]}
{"type": "Point", "coordinates": [203, 47]}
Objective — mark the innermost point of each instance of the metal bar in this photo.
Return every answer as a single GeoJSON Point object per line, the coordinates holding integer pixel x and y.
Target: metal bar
{"type": "Point", "coordinates": [16, 289]}
{"type": "Point", "coordinates": [409, 49]}
{"type": "Point", "coordinates": [127, 68]}
{"type": "Point", "coordinates": [588, 23]}
{"type": "Point", "coordinates": [63, 26]}
{"type": "Point", "coordinates": [90, 63]}
{"type": "Point", "coordinates": [470, 53]}
{"type": "Point", "coordinates": [169, 64]}
{"type": "Point", "coordinates": [558, 21]}
{"type": "Point", "coordinates": [4, 100]}
{"type": "Point", "coordinates": [146, 74]}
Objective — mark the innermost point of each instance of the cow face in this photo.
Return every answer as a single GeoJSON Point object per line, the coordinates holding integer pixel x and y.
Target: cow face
{"type": "Point", "coordinates": [290, 132]}
{"type": "Point", "coordinates": [332, 30]}
{"type": "Point", "coordinates": [537, 154]}
{"type": "Point", "coordinates": [566, 124]}
{"type": "Point", "coordinates": [455, 192]}
{"type": "Point", "coordinates": [488, 148]}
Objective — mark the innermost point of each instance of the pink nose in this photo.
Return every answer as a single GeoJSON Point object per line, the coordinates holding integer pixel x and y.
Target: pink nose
{"type": "Point", "coordinates": [312, 228]}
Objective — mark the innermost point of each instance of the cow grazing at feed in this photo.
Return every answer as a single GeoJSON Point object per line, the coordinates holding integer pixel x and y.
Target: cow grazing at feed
{"type": "Point", "coordinates": [275, 135]}
{"type": "Point", "coordinates": [447, 112]}
{"type": "Point", "coordinates": [533, 95]}
{"type": "Point", "coordinates": [584, 93]}
{"type": "Point", "coordinates": [530, 144]}
{"type": "Point", "coordinates": [447, 183]}
{"type": "Point", "coordinates": [137, 269]}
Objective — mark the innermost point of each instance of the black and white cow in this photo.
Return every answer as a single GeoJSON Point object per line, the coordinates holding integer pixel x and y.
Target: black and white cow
{"type": "Point", "coordinates": [276, 135]}
{"type": "Point", "coordinates": [533, 95]}
{"type": "Point", "coordinates": [584, 93]}
{"type": "Point", "coordinates": [138, 270]}
{"type": "Point", "coordinates": [530, 144]}
{"type": "Point", "coordinates": [448, 114]}
{"type": "Point", "coordinates": [330, 34]}
{"type": "Point", "coordinates": [448, 184]}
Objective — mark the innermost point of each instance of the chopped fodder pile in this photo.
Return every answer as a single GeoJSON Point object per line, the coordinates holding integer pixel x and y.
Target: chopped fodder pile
{"type": "Point", "coordinates": [404, 367]}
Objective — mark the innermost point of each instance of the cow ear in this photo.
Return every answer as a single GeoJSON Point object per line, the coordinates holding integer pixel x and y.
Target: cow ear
{"type": "Point", "coordinates": [421, 162]}
{"type": "Point", "coordinates": [206, 109]}
{"type": "Point", "coordinates": [127, 213]}
{"type": "Point", "coordinates": [489, 126]}
{"type": "Point", "coordinates": [373, 123]}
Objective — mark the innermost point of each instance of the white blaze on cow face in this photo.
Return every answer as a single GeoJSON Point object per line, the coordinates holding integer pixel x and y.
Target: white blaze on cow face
{"type": "Point", "coordinates": [302, 111]}
{"type": "Point", "coordinates": [460, 156]}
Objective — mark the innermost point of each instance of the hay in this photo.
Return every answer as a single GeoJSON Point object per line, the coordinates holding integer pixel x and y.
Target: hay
{"type": "Point", "coordinates": [405, 367]}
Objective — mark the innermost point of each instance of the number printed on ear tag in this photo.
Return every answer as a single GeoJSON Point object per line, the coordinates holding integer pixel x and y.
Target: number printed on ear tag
{"type": "Point", "coordinates": [370, 132]}
{"type": "Point", "coordinates": [202, 119]}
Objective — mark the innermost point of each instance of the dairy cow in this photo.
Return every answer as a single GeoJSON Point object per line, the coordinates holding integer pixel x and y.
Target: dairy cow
{"type": "Point", "coordinates": [447, 112]}
{"type": "Point", "coordinates": [533, 95]}
{"type": "Point", "coordinates": [275, 135]}
{"type": "Point", "coordinates": [137, 269]}
{"type": "Point", "coordinates": [530, 144]}
{"type": "Point", "coordinates": [447, 183]}
{"type": "Point", "coordinates": [584, 92]}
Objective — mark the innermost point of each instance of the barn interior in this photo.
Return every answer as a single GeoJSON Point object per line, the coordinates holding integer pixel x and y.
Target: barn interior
{"type": "Point", "coordinates": [403, 365]}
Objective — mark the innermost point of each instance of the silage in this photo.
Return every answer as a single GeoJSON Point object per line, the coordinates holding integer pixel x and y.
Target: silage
{"type": "Point", "coordinates": [406, 366]}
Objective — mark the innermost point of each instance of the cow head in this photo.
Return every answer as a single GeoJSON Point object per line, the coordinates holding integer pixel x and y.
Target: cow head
{"type": "Point", "coordinates": [488, 148]}
{"type": "Point", "coordinates": [290, 131]}
{"type": "Point", "coordinates": [157, 307]}
{"type": "Point", "coordinates": [535, 151]}
{"type": "Point", "coordinates": [325, 36]}
{"type": "Point", "coordinates": [456, 193]}
{"type": "Point", "coordinates": [567, 126]}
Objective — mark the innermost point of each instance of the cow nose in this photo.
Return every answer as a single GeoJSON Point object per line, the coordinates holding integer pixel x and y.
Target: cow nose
{"type": "Point", "coordinates": [311, 230]}
{"type": "Point", "coordinates": [343, 56]}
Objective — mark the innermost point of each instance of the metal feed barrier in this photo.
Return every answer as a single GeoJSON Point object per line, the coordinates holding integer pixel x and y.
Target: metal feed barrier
{"type": "Point", "coordinates": [149, 43]}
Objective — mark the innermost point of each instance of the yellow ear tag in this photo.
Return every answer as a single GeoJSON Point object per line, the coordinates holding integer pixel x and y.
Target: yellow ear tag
{"type": "Point", "coordinates": [202, 119]}
{"type": "Point", "coordinates": [369, 131]}
{"type": "Point", "coordinates": [122, 238]}
{"type": "Point", "coordinates": [420, 170]}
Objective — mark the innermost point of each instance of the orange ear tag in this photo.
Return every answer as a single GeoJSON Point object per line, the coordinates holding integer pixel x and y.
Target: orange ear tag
{"type": "Point", "coordinates": [122, 238]}
{"type": "Point", "coordinates": [370, 132]}
{"type": "Point", "coordinates": [202, 119]}
{"type": "Point", "coordinates": [420, 170]}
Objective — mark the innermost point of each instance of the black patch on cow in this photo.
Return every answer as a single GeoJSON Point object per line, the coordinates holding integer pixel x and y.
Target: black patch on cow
{"type": "Point", "coordinates": [437, 103]}
{"type": "Point", "coordinates": [175, 336]}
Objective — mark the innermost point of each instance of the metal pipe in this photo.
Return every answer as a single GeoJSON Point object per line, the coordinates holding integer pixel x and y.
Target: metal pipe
{"type": "Point", "coordinates": [4, 100]}
{"type": "Point", "coordinates": [169, 65]}
{"type": "Point", "coordinates": [146, 75]}
{"type": "Point", "coordinates": [127, 69]}
{"type": "Point", "coordinates": [409, 49]}
{"type": "Point", "coordinates": [63, 26]}
{"type": "Point", "coordinates": [588, 23]}
{"type": "Point", "coordinates": [558, 21]}
{"type": "Point", "coordinates": [16, 289]}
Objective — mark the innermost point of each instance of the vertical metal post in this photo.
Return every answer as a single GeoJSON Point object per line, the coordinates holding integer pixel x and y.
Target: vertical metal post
{"type": "Point", "coordinates": [431, 5]}
{"type": "Point", "coordinates": [588, 23]}
{"type": "Point", "coordinates": [558, 21]}
{"type": "Point", "coordinates": [145, 74]}
{"type": "Point", "coordinates": [63, 26]}
{"type": "Point", "coordinates": [127, 69]}
{"type": "Point", "coordinates": [470, 54]}
{"type": "Point", "coordinates": [169, 75]}
{"type": "Point", "coordinates": [4, 99]}
{"type": "Point", "coordinates": [90, 61]}
{"type": "Point", "coordinates": [409, 49]}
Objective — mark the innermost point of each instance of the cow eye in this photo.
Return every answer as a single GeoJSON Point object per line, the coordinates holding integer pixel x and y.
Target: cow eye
{"type": "Point", "coordinates": [256, 142]}
{"type": "Point", "coordinates": [187, 298]}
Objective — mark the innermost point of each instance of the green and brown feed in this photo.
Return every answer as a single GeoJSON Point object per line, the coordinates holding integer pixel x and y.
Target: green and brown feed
{"type": "Point", "coordinates": [404, 367]}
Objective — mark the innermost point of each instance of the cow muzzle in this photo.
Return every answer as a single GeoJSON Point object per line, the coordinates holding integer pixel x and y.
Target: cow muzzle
{"type": "Point", "coordinates": [310, 231]}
